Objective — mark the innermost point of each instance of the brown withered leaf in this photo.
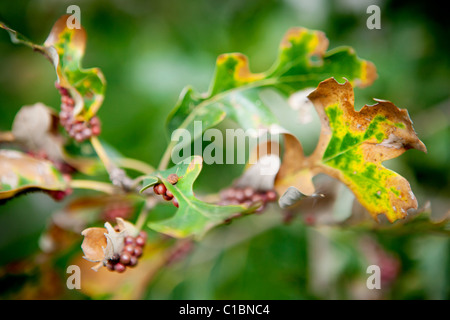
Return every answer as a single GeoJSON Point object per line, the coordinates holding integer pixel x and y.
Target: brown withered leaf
{"type": "Point", "coordinates": [102, 244]}
{"type": "Point", "coordinates": [94, 243]}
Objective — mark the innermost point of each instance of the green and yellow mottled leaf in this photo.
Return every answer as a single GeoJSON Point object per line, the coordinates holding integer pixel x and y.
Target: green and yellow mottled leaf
{"type": "Point", "coordinates": [193, 217]}
{"type": "Point", "coordinates": [64, 48]}
{"type": "Point", "coordinates": [19, 172]}
{"type": "Point", "coordinates": [234, 93]}
{"type": "Point", "coordinates": [352, 147]}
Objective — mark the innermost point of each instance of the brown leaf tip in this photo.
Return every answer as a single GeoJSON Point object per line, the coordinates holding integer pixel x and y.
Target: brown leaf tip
{"type": "Point", "coordinates": [78, 38]}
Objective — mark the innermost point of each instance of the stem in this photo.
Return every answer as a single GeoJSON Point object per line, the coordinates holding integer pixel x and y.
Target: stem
{"type": "Point", "coordinates": [151, 202]}
{"type": "Point", "coordinates": [93, 185]}
{"type": "Point", "coordinates": [141, 219]}
{"type": "Point", "coordinates": [117, 175]}
{"type": "Point", "coordinates": [166, 157]}
{"type": "Point", "coordinates": [123, 162]}
{"type": "Point", "coordinates": [137, 181]}
{"type": "Point", "coordinates": [6, 136]}
{"type": "Point", "coordinates": [134, 164]}
{"type": "Point", "coordinates": [102, 154]}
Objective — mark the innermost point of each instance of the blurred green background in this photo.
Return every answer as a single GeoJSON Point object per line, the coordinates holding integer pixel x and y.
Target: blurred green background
{"type": "Point", "coordinates": [149, 50]}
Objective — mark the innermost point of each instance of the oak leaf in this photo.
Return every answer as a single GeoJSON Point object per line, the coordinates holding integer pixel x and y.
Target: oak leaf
{"type": "Point", "coordinates": [351, 148]}
{"type": "Point", "coordinates": [64, 48]}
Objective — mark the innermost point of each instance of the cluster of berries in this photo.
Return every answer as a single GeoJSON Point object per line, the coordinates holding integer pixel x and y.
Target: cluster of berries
{"type": "Point", "coordinates": [160, 189]}
{"type": "Point", "coordinates": [247, 196]}
{"type": "Point", "coordinates": [78, 129]}
{"type": "Point", "coordinates": [132, 251]}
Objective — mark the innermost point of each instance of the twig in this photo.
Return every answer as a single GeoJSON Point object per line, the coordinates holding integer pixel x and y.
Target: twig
{"type": "Point", "coordinates": [117, 176]}
{"type": "Point", "coordinates": [6, 136]}
{"type": "Point", "coordinates": [149, 204]}
{"type": "Point", "coordinates": [93, 185]}
{"type": "Point", "coordinates": [102, 154]}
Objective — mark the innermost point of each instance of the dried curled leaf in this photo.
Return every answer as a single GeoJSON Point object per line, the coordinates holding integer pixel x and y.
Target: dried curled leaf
{"type": "Point", "coordinates": [102, 244]}
{"type": "Point", "coordinates": [19, 172]}
{"type": "Point", "coordinates": [131, 284]}
{"type": "Point", "coordinates": [352, 147]}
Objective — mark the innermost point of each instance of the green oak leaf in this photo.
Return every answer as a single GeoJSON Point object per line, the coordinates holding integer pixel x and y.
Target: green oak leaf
{"type": "Point", "coordinates": [20, 172]}
{"type": "Point", "coordinates": [234, 93]}
{"type": "Point", "coordinates": [193, 216]}
{"type": "Point", "coordinates": [64, 48]}
{"type": "Point", "coordinates": [351, 148]}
